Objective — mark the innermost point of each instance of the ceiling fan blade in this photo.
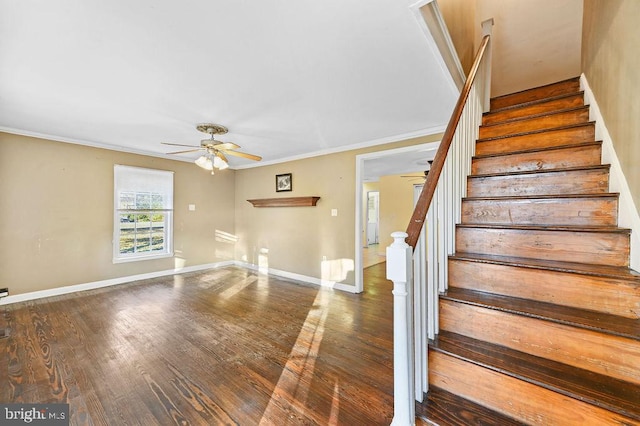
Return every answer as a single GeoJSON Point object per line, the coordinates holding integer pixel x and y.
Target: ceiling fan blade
{"type": "Point", "coordinates": [221, 155]}
{"type": "Point", "coordinates": [244, 155]}
{"type": "Point", "coordinates": [226, 145]}
{"type": "Point", "coordinates": [179, 144]}
{"type": "Point", "coordinates": [183, 152]}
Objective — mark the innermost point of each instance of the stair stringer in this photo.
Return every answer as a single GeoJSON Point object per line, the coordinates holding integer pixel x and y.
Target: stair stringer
{"type": "Point", "coordinates": [628, 213]}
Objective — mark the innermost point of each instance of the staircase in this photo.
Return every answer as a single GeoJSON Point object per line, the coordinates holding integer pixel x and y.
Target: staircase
{"type": "Point", "coordinates": [540, 324]}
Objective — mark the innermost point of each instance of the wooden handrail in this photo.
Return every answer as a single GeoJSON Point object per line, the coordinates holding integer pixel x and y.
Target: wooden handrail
{"type": "Point", "coordinates": [426, 195]}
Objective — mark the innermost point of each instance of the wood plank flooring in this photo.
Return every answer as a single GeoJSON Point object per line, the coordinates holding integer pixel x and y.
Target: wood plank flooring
{"type": "Point", "coordinates": [224, 346]}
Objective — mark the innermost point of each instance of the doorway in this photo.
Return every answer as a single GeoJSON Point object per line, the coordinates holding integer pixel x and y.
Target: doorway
{"type": "Point", "coordinates": [369, 168]}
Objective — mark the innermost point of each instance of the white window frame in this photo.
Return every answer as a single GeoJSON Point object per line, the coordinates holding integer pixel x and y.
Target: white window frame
{"type": "Point", "coordinates": [140, 181]}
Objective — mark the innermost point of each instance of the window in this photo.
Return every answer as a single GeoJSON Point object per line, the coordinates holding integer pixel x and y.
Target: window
{"type": "Point", "coordinates": [143, 216]}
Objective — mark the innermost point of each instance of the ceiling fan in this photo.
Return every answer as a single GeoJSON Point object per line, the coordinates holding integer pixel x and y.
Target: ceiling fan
{"type": "Point", "coordinates": [215, 151]}
{"type": "Point", "coordinates": [424, 174]}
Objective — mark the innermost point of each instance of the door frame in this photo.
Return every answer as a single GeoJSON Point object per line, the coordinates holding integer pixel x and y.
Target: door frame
{"type": "Point", "coordinates": [359, 213]}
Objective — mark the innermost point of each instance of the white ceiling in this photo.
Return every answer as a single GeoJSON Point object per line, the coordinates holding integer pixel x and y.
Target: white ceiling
{"type": "Point", "coordinates": [288, 78]}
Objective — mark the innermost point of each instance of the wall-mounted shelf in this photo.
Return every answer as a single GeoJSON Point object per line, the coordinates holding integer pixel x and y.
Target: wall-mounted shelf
{"type": "Point", "coordinates": [285, 202]}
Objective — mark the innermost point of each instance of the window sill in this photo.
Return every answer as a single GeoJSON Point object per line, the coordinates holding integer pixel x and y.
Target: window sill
{"type": "Point", "coordinates": [143, 257]}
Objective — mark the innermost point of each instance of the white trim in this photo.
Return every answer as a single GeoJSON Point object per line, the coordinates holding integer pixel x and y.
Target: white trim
{"type": "Point", "coordinates": [360, 159]}
{"type": "Point", "coordinates": [136, 179]}
{"type": "Point", "coordinates": [91, 144]}
{"type": "Point", "coordinates": [358, 235]}
{"type": "Point", "coordinates": [360, 145]}
{"type": "Point", "coordinates": [628, 216]}
{"type": "Point", "coordinates": [142, 257]}
{"type": "Point", "coordinates": [444, 50]}
{"type": "Point", "coordinates": [58, 291]}
{"type": "Point", "coordinates": [382, 141]}
{"type": "Point", "coordinates": [299, 277]}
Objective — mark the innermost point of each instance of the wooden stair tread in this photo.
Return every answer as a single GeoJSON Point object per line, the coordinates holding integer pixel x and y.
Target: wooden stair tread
{"type": "Point", "coordinates": [444, 408]}
{"type": "Point", "coordinates": [580, 228]}
{"type": "Point", "coordinates": [543, 197]}
{"type": "Point", "coordinates": [539, 131]}
{"type": "Point", "coordinates": [543, 149]}
{"type": "Point", "coordinates": [534, 102]}
{"type": "Point", "coordinates": [526, 172]}
{"type": "Point", "coordinates": [540, 143]}
{"type": "Point", "coordinates": [597, 389]}
{"type": "Point", "coordinates": [536, 116]}
{"type": "Point", "coordinates": [605, 271]}
{"type": "Point", "coordinates": [575, 317]}
{"type": "Point", "coordinates": [533, 93]}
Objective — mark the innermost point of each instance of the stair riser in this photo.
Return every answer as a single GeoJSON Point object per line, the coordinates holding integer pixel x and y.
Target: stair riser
{"type": "Point", "coordinates": [591, 181]}
{"type": "Point", "coordinates": [579, 156]}
{"type": "Point", "coordinates": [515, 398]}
{"type": "Point", "coordinates": [551, 90]}
{"type": "Point", "coordinates": [610, 355]}
{"type": "Point", "coordinates": [607, 295]}
{"type": "Point", "coordinates": [597, 248]}
{"type": "Point", "coordinates": [548, 139]}
{"type": "Point", "coordinates": [597, 211]}
{"type": "Point", "coordinates": [567, 102]}
{"type": "Point", "coordinates": [545, 122]}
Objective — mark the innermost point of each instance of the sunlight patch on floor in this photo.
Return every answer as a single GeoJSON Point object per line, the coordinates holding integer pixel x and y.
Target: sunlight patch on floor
{"type": "Point", "coordinates": [238, 287]}
{"type": "Point", "coordinates": [296, 378]}
{"type": "Point", "coordinates": [335, 405]}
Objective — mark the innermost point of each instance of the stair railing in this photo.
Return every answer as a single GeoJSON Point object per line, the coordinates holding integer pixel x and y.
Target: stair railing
{"type": "Point", "coordinates": [440, 205]}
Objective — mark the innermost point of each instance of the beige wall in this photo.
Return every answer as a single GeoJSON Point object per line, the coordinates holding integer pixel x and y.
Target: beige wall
{"type": "Point", "coordinates": [610, 61]}
{"type": "Point", "coordinates": [295, 239]}
{"type": "Point", "coordinates": [396, 206]}
{"type": "Point", "coordinates": [459, 15]}
{"type": "Point", "coordinates": [56, 214]}
{"type": "Point", "coordinates": [534, 42]}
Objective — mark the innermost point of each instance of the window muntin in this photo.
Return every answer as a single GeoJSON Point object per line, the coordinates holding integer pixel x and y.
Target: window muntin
{"type": "Point", "coordinates": [143, 213]}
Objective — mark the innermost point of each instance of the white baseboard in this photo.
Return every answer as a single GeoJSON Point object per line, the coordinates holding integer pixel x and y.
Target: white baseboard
{"type": "Point", "coordinates": [299, 277]}
{"type": "Point", "coordinates": [122, 280]}
{"type": "Point", "coordinates": [106, 283]}
{"type": "Point", "coordinates": [628, 216]}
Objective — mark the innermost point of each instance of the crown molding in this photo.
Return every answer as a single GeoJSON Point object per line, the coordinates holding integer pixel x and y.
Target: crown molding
{"type": "Point", "coordinates": [375, 142]}
{"type": "Point", "coordinates": [92, 144]}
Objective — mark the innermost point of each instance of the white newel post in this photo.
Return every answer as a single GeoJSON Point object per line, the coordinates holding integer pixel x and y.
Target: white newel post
{"type": "Point", "coordinates": [399, 270]}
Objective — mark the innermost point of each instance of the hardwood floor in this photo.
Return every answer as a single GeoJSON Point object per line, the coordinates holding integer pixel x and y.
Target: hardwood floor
{"type": "Point", "coordinates": [225, 346]}
{"type": "Point", "coordinates": [372, 255]}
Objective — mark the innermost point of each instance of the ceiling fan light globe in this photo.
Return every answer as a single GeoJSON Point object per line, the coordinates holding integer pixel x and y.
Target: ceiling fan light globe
{"type": "Point", "coordinates": [204, 162]}
{"type": "Point", "coordinates": [219, 163]}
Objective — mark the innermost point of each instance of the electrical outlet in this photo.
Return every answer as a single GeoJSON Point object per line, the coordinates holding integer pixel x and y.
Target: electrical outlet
{"type": "Point", "coordinates": [4, 292]}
